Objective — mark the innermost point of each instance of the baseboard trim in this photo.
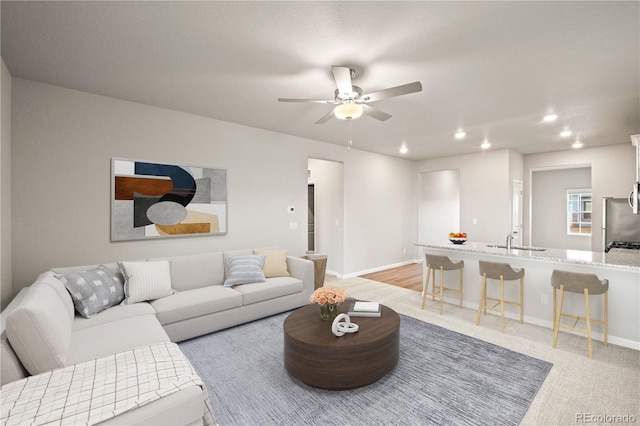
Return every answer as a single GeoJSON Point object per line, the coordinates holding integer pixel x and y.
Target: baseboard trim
{"type": "Point", "coordinates": [372, 270]}
{"type": "Point", "coordinates": [595, 335]}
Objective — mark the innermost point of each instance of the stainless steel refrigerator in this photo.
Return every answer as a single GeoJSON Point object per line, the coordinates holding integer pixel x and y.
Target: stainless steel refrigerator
{"type": "Point", "coordinates": [619, 223]}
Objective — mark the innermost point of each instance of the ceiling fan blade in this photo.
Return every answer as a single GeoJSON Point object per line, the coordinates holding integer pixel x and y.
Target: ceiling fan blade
{"type": "Point", "coordinates": [326, 118]}
{"type": "Point", "coordinates": [314, 101]}
{"type": "Point", "coordinates": [342, 75]}
{"type": "Point", "coordinates": [404, 89]}
{"type": "Point", "coordinates": [376, 113]}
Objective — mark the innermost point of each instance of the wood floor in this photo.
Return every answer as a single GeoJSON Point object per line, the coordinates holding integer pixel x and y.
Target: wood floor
{"type": "Point", "coordinates": [407, 276]}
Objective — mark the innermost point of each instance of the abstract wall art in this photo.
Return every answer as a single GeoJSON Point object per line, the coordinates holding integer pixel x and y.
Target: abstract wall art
{"type": "Point", "coordinates": [155, 200]}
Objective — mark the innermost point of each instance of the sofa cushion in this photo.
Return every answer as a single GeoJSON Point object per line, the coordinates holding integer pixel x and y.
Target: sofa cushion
{"type": "Point", "coordinates": [245, 269]}
{"type": "Point", "coordinates": [11, 368]}
{"type": "Point", "coordinates": [118, 336]}
{"type": "Point", "coordinates": [114, 313]}
{"type": "Point", "coordinates": [194, 303]}
{"type": "Point", "coordinates": [113, 267]}
{"type": "Point", "coordinates": [197, 270]}
{"type": "Point", "coordinates": [274, 287]}
{"type": "Point", "coordinates": [93, 290]}
{"type": "Point", "coordinates": [49, 278]}
{"type": "Point", "coordinates": [146, 280]}
{"type": "Point", "coordinates": [184, 407]}
{"type": "Point", "coordinates": [275, 263]}
{"type": "Point", "coordinates": [39, 330]}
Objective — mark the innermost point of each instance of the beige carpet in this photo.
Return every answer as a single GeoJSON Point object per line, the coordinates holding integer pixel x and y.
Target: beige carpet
{"type": "Point", "coordinates": [578, 390]}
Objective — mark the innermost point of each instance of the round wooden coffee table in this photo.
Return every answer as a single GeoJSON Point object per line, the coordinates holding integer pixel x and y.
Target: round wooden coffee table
{"type": "Point", "coordinates": [315, 356]}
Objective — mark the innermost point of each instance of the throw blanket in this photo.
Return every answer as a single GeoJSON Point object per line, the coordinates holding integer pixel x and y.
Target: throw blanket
{"type": "Point", "coordinates": [95, 391]}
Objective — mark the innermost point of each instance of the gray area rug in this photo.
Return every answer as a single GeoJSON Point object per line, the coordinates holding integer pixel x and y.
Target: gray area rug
{"type": "Point", "coordinates": [442, 378]}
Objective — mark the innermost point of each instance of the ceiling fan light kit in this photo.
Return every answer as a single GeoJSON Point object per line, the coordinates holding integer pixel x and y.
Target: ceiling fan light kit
{"type": "Point", "coordinates": [348, 111]}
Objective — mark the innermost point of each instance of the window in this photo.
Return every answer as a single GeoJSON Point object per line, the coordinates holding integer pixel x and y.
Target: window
{"type": "Point", "coordinates": [579, 211]}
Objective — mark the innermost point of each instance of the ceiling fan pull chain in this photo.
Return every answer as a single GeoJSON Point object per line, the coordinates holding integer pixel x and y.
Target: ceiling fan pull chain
{"type": "Point", "coordinates": [349, 131]}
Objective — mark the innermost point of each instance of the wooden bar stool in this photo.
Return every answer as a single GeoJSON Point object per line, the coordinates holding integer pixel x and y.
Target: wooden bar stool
{"type": "Point", "coordinates": [502, 272]}
{"type": "Point", "coordinates": [586, 284]}
{"type": "Point", "coordinates": [442, 263]}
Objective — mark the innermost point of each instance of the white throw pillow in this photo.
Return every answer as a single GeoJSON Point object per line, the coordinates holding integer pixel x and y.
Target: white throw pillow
{"type": "Point", "coordinates": [146, 280]}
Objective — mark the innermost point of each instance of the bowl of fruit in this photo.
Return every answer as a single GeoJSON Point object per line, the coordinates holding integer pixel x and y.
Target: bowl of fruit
{"type": "Point", "coordinates": [458, 237]}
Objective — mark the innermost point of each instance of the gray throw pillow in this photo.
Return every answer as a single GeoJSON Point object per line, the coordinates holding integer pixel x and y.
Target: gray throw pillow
{"type": "Point", "coordinates": [245, 270]}
{"type": "Point", "coordinates": [94, 290]}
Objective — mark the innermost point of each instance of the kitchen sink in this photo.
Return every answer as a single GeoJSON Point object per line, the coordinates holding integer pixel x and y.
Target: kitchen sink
{"type": "Point", "coordinates": [517, 247]}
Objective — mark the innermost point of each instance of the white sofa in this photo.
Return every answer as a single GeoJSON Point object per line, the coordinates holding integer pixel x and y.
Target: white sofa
{"type": "Point", "coordinates": [42, 332]}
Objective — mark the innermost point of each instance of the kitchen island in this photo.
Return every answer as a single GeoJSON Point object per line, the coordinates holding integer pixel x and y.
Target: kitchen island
{"type": "Point", "coordinates": [620, 267]}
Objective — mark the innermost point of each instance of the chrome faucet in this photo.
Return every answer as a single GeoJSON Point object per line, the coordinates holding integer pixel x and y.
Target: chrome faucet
{"type": "Point", "coordinates": [509, 240]}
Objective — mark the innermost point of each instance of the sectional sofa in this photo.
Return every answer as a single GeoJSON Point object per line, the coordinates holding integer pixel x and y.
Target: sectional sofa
{"type": "Point", "coordinates": [52, 335]}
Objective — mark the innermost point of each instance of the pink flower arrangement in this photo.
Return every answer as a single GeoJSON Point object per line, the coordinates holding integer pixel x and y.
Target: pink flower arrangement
{"type": "Point", "coordinates": [328, 294]}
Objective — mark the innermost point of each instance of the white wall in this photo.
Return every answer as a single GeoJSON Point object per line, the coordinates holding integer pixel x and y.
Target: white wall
{"type": "Point", "coordinates": [485, 192]}
{"type": "Point", "coordinates": [62, 144]}
{"type": "Point", "coordinates": [328, 177]}
{"type": "Point", "coordinates": [439, 208]}
{"type": "Point", "coordinates": [379, 207]}
{"type": "Point", "coordinates": [549, 208]}
{"type": "Point", "coordinates": [6, 285]}
{"type": "Point", "coordinates": [612, 175]}
{"type": "Point", "coordinates": [380, 212]}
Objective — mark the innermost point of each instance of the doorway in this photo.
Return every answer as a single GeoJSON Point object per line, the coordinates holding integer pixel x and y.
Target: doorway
{"type": "Point", "coordinates": [548, 206]}
{"type": "Point", "coordinates": [311, 218]}
{"type": "Point", "coordinates": [516, 209]}
{"type": "Point", "coordinates": [325, 189]}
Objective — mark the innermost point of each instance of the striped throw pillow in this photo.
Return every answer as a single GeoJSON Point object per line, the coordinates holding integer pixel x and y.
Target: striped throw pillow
{"type": "Point", "coordinates": [146, 280]}
{"type": "Point", "coordinates": [245, 270]}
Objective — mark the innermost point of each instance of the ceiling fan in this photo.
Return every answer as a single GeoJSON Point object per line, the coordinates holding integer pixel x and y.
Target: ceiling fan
{"type": "Point", "coordinates": [350, 100]}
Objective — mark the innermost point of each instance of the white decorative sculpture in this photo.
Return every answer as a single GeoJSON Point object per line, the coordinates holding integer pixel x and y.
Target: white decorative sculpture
{"type": "Point", "coordinates": [340, 328]}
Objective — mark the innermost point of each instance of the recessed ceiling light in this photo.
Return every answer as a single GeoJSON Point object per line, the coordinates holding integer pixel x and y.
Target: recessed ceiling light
{"type": "Point", "coordinates": [550, 117]}
{"type": "Point", "coordinates": [460, 134]}
{"type": "Point", "coordinates": [565, 133]}
{"type": "Point", "coordinates": [403, 149]}
{"type": "Point", "coordinates": [485, 145]}
{"type": "Point", "coordinates": [576, 145]}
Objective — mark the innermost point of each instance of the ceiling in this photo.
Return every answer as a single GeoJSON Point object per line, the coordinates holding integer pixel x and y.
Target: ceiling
{"type": "Point", "coordinates": [493, 69]}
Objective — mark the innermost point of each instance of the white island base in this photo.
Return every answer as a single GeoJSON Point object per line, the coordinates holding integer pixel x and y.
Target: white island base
{"type": "Point", "coordinates": [622, 271]}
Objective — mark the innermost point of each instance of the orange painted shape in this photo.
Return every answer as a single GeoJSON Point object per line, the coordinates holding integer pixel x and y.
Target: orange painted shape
{"type": "Point", "coordinates": [204, 223]}
{"type": "Point", "coordinates": [125, 186]}
{"type": "Point", "coordinates": [184, 228]}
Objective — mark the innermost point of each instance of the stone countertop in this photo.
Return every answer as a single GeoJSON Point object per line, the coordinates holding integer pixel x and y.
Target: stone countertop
{"type": "Point", "coordinates": [616, 259]}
